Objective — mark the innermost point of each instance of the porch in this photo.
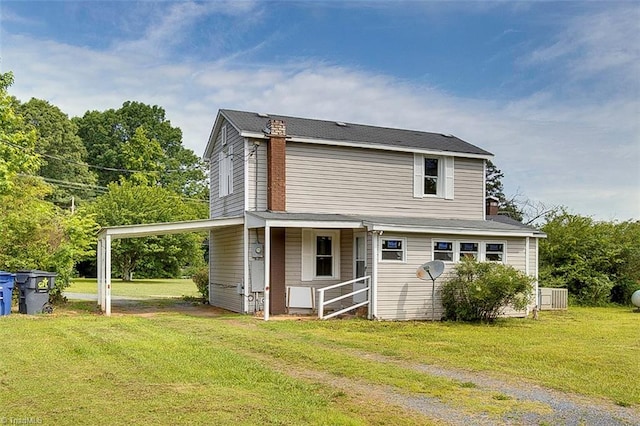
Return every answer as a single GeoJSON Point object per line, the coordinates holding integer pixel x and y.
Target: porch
{"type": "Point", "coordinates": [309, 263]}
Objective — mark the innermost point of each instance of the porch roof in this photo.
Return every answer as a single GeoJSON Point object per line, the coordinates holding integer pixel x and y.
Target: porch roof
{"type": "Point", "coordinates": [391, 224]}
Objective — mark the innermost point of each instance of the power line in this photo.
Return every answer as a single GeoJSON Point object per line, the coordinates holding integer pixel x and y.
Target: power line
{"type": "Point", "coordinates": [110, 169]}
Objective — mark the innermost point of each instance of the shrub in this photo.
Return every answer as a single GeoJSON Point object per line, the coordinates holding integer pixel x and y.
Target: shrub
{"type": "Point", "coordinates": [201, 278]}
{"type": "Point", "coordinates": [480, 291]}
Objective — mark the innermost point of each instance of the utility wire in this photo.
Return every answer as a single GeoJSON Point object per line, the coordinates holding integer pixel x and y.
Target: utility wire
{"type": "Point", "coordinates": [110, 169]}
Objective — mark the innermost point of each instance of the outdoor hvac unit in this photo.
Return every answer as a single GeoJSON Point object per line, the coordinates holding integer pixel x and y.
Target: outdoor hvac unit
{"type": "Point", "coordinates": [552, 299]}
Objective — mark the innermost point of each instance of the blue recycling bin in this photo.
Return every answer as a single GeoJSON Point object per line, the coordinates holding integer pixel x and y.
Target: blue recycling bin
{"type": "Point", "coordinates": [6, 292]}
{"type": "Point", "coordinates": [34, 289]}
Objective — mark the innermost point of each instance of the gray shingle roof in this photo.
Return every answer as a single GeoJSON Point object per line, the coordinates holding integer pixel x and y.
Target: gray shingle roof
{"type": "Point", "coordinates": [350, 132]}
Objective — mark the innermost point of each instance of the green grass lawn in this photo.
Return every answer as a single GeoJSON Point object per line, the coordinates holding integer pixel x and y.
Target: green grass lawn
{"type": "Point", "coordinates": [139, 288]}
{"type": "Point", "coordinates": [79, 367]}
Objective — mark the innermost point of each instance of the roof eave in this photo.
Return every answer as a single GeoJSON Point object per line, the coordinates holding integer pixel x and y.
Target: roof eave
{"type": "Point", "coordinates": [353, 144]}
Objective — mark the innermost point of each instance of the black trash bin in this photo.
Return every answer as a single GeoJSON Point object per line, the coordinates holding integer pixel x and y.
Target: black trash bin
{"type": "Point", "coordinates": [34, 287]}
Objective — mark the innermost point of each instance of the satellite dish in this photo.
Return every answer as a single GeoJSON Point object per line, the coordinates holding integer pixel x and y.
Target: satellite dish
{"type": "Point", "coordinates": [430, 270]}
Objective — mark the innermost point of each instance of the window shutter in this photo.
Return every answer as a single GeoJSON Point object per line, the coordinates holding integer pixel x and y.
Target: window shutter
{"type": "Point", "coordinates": [418, 176]}
{"type": "Point", "coordinates": [230, 170]}
{"type": "Point", "coordinates": [308, 258]}
{"type": "Point", "coordinates": [221, 164]}
{"type": "Point", "coordinates": [448, 178]}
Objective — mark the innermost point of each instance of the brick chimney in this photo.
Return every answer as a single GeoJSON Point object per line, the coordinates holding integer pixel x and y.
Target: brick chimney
{"type": "Point", "coordinates": [491, 206]}
{"type": "Point", "coordinates": [276, 166]}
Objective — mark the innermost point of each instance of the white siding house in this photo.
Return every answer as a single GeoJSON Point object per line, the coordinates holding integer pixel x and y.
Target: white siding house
{"type": "Point", "coordinates": [325, 203]}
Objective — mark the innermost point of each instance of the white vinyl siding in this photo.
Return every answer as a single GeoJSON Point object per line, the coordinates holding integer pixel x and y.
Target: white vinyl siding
{"type": "Point", "coordinates": [233, 203]}
{"type": "Point", "coordinates": [226, 263]}
{"type": "Point", "coordinates": [326, 179]}
{"type": "Point", "coordinates": [257, 164]}
{"type": "Point", "coordinates": [403, 296]}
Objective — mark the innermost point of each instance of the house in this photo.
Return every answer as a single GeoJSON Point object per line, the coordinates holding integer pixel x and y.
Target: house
{"type": "Point", "coordinates": [330, 216]}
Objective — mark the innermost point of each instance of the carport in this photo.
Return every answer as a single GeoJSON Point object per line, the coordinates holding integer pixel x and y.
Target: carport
{"type": "Point", "coordinates": [106, 235]}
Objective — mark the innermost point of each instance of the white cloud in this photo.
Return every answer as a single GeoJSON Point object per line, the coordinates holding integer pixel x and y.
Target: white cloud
{"type": "Point", "coordinates": [579, 152]}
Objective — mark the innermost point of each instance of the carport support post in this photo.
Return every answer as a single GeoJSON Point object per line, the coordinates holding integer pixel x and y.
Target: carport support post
{"type": "Point", "coordinates": [267, 268]}
{"type": "Point", "coordinates": [100, 269]}
{"type": "Point", "coordinates": [107, 276]}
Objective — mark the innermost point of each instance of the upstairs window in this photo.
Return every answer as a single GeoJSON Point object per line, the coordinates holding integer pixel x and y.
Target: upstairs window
{"type": "Point", "coordinates": [225, 166]}
{"type": "Point", "coordinates": [432, 176]}
{"type": "Point", "coordinates": [431, 172]}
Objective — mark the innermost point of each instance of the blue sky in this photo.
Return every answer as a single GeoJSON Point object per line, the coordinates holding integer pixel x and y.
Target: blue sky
{"type": "Point", "coordinates": [551, 88]}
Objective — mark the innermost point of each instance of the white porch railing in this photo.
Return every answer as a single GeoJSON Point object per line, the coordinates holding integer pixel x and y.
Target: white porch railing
{"type": "Point", "coordinates": [322, 303]}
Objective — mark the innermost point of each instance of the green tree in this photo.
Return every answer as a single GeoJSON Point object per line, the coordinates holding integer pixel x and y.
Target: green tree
{"type": "Point", "coordinates": [128, 203]}
{"type": "Point", "coordinates": [494, 188]}
{"type": "Point", "coordinates": [596, 261]}
{"type": "Point", "coordinates": [35, 233]}
{"type": "Point", "coordinates": [17, 143]}
{"type": "Point", "coordinates": [63, 153]}
{"type": "Point", "coordinates": [109, 137]}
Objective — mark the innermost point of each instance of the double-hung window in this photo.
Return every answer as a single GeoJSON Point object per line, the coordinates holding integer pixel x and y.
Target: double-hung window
{"type": "Point", "coordinates": [320, 254]}
{"type": "Point", "coordinates": [432, 176]}
{"type": "Point", "coordinates": [225, 166]}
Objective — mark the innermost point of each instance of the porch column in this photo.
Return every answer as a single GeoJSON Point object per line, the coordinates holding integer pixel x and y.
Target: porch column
{"type": "Point", "coordinates": [267, 263]}
{"type": "Point", "coordinates": [373, 304]}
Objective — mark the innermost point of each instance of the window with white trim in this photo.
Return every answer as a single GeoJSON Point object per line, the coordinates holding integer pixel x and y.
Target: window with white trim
{"type": "Point", "coordinates": [393, 249]}
{"type": "Point", "coordinates": [494, 252]}
{"type": "Point", "coordinates": [456, 250]}
{"type": "Point", "coordinates": [443, 250]}
{"type": "Point", "coordinates": [468, 250]}
{"type": "Point", "coordinates": [432, 176]}
{"type": "Point", "coordinates": [225, 166]}
{"type": "Point", "coordinates": [320, 254]}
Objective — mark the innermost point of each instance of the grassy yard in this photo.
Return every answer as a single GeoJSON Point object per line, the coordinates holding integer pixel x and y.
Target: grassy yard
{"type": "Point", "coordinates": [78, 367]}
{"type": "Point", "coordinates": [139, 288]}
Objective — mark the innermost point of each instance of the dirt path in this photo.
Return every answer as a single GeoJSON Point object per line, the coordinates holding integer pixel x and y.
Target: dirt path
{"type": "Point", "coordinates": [564, 409]}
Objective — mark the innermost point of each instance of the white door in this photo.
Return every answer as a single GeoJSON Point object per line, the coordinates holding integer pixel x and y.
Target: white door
{"type": "Point", "coordinates": [360, 266]}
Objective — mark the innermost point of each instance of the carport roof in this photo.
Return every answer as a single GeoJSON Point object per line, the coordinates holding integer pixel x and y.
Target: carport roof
{"type": "Point", "coordinates": [146, 230]}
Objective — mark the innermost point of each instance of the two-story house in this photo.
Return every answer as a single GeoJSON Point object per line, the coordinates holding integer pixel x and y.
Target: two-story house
{"type": "Point", "coordinates": [318, 203]}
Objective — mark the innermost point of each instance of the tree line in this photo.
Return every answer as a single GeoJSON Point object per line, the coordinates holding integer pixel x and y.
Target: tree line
{"type": "Point", "coordinates": [61, 179]}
